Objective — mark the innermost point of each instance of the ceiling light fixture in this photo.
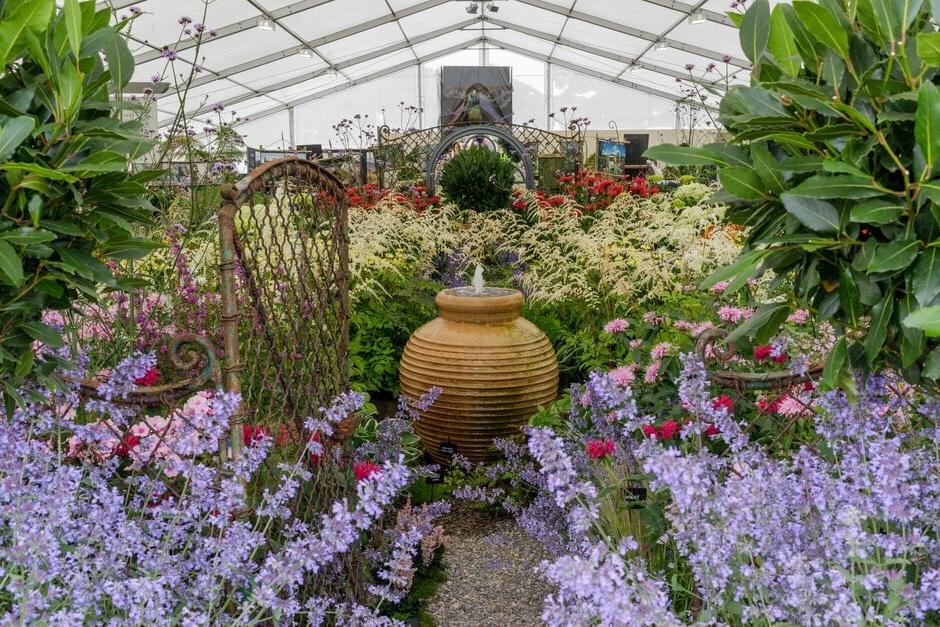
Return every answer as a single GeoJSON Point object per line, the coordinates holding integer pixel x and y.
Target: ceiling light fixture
{"type": "Point", "coordinates": [697, 17]}
{"type": "Point", "coordinates": [306, 53]}
{"type": "Point", "coordinates": [634, 67]}
{"type": "Point", "coordinates": [331, 72]}
{"type": "Point", "coordinates": [472, 8]}
{"type": "Point", "coordinates": [265, 23]}
{"type": "Point", "coordinates": [491, 7]}
{"type": "Point", "coordinates": [661, 45]}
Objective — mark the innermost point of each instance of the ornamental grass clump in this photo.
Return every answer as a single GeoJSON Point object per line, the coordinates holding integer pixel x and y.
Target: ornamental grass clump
{"type": "Point", "coordinates": [833, 165]}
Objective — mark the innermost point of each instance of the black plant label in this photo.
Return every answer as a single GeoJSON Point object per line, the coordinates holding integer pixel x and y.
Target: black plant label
{"type": "Point", "coordinates": [448, 449]}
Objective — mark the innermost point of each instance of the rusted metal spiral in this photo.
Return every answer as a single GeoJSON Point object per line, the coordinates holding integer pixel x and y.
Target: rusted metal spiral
{"type": "Point", "coordinates": [187, 350]}
{"type": "Point", "coordinates": [743, 381]}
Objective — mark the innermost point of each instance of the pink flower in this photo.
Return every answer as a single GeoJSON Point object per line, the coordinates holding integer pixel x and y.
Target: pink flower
{"type": "Point", "coordinates": [624, 375]}
{"type": "Point", "coordinates": [789, 406]}
{"type": "Point", "coordinates": [616, 326]}
{"type": "Point", "coordinates": [635, 344]}
{"type": "Point", "coordinates": [596, 449]}
{"type": "Point", "coordinates": [800, 316]}
{"type": "Point", "coordinates": [653, 319]}
{"type": "Point", "coordinates": [364, 470]}
{"type": "Point", "coordinates": [652, 372]}
{"type": "Point", "coordinates": [735, 314]}
{"type": "Point", "coordinates": [719, 287]}
{"type": "Point", "coordinates": [660, 350]}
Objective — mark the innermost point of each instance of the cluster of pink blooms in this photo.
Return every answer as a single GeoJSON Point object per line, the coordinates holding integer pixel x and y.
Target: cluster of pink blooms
{"type": "Point", "coordinates": [653, 319]}
{"type": "Point", "coordinates": [800, 316]}
{"type": "Point", "coordinates": [616, 326]}
{"type": "Point", "coordinates": [735, 314]}
{"type": "Point", "coordinates": [719, 287]}
{"type": "Point", "coordinates": [694, 329]}
{"type": "Point", "coordinates": [624, 376]}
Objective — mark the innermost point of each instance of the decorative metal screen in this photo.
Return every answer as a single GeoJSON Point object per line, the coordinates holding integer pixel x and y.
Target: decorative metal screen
{"type": "Point", "coordinates": [285, 293]}
{"type": "Point", "coordinates": [404, 157]}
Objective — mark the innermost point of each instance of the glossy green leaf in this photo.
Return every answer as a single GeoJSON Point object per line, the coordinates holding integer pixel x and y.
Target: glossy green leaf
{"type": "Point", "coordinates": [876, 211]}
{"type": "Point", "coordinates": [782, 43]}
{"type": "Point", "coordinates": [878, 328]}
{"type": "Point", "coordinates": [743, 182]}
{"type": "Point", "coordinates": [888, 18]}
{"type": "Point", "coordinates": [25, 236]}
{"type": "Point", "coordinates": [12, 134]}
{"type": "Point", "coordinates": [836, 186]}
{"type": "Point", "coordinates": [120, 60]}
{"type": "Point", "coordinates": [927, 122]}
{"type": "Point", "coordinates": [44, 333]}
{"type": "Point", "coordinates": [834, 364]}
{"type": "Point", "coordinates": [926, 277]}
{"type": "Point", "coordinates": [755, 30]}
{"type": "Point", "coordinates": [912, 340]}
{"type": "Point", "coordinates": [813, 213]}
{"type": "Point", "coordinates": [11, 268]}
{"type": "Point", "coordinates": [927, 319]}
{"type": "Point", "coordinates": [768, 168]}
{"type": "Point", "coordinates": [849, 295]}
{"type": "Point", "coordinates": [679, 155]}
{"type": "Point", "coordinates": [823, 25]}
{"type": "Point", "coordinates": [763, 325]}
{"type": "Point", "coordinates": [932, 364]}
{"type": "Point", "coordinates": [73, 25]}
{"type": "Point", "coordinates": [928, 47]}
{"type": "Point", "coordinates": [16, 21]}
{"type": "Point", "coordinates": [891, 256]}
{"type": "Point", "coordinates": [41, 171]}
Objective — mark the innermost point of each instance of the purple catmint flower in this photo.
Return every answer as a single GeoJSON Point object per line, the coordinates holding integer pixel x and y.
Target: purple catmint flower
{"type": "Point", "coordinates": [218, 107]}
{"type": "Point", "coordinates": [169, 54]}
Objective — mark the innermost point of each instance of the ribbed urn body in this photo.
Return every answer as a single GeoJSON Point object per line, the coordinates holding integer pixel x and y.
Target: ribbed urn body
{"type": "Point", "coordinates": [495, 370]}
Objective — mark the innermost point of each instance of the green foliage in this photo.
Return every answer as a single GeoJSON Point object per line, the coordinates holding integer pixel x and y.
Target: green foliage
{"type": "Point", "coordinates": [477, 179]}
{"type": "Point", "coordinates": [380, 327]}
{"type": "Point", "coordinates": [834, 165]}
{"type": "Point", "coordinates": [67, 201]}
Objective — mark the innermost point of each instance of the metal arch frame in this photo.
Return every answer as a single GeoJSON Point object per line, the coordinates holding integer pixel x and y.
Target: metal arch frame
{"type": "Point", "coordinates": [468, 131]}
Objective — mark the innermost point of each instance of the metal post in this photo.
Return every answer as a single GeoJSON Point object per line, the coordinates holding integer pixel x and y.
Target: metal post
{"type": "Point", "coordinates": [420, 96]}
{"type": "Point", "coordinates": [231, 371]}
{"type": "Point", "coordinates": [548, 96]}
{"type": "Point", "coordinates": [290, 126]}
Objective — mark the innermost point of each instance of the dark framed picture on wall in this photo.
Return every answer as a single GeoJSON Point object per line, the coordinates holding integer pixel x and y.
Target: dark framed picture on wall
{"type": "Point", "coordinates": [476, 95]}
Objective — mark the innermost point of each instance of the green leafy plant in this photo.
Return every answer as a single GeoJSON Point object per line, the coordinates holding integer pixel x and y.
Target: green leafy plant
{"type": "Point", "coordinates": [477, 179]}
{"type": "Point", "coordinates": [834, 165]}
{"type": "Point", "coordinates": [67, 200]}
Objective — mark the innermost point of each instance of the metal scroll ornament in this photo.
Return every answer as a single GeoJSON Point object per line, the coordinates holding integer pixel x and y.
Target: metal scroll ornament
{"type": "Point", "coordinates": [743, 381]}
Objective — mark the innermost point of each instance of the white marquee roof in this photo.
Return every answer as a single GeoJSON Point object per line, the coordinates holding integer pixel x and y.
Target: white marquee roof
{"type": "Point", "coordinates": [642, 45]}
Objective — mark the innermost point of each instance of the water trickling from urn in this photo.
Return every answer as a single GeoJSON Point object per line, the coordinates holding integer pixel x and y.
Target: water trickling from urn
{"type": "Point", "coordinates": [478, 280]}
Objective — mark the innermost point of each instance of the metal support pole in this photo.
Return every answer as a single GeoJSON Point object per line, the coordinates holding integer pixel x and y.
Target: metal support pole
{"type": "Point", "coordinates": [548, 96]}
{"type": "Point", "coordinates": [420, 96]}
{"type": "Point", "coordinates": [290, 126]}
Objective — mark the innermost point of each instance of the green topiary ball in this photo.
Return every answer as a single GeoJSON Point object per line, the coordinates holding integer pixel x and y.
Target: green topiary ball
{"type": "Point", "coordinates": [477, 179]}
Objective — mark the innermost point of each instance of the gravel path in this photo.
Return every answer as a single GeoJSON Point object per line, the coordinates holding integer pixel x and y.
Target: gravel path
{"type": "Point", "coordinates": [490, 577]}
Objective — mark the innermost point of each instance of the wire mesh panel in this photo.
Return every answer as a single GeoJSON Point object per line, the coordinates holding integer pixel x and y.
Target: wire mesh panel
{"type": "Point", "coordinates": [285, 292]}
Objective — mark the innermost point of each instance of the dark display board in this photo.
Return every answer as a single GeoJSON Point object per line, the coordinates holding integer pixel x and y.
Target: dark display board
{"type": "Point", "coordinates": [256, 157]}
{"type": "Point", "coordinates": [636, 146]}
{"type": "Point", "coordinates": [476, 95]}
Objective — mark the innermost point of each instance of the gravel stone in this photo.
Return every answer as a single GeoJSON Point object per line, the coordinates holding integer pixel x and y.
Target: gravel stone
{"type": "Point", "coordinates": [491, 579]}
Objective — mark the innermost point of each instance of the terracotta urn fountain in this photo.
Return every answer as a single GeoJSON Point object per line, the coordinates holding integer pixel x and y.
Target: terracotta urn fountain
{"type": "Point", "coordinates": [494, 367]}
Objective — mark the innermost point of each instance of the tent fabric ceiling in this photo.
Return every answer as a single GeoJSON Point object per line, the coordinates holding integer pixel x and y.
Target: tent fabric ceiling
{"type": "Point", "coordinates": [639, 44]}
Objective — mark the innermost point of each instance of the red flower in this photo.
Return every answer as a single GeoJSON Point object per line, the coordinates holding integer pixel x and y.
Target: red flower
{"type": "Point", "coordinates": [668, 429]}
{"type": "Point", "coordinates": [364, 470]}
{"type": "Point", "coordinates": [518, 203]}
{"type": "Point", "coordinates": [782, 357]}
{"type": "Point", "coordinates": [128, 442]}
{"type": "Point", "coordinates": [808, 386]}
{"type": "Point", "coordinates": [556, 201]}
{"type": "Point", "coordinates": [762, 352]}
{"type": "Point", "coordinates": [597, 449]}
{"type": "Point", "coordinates": [649, 430]}
{"type": "Point", "coordinates": [615, 190]}
{"type": "Point", "coordinates": [152, 376]}
{"type": "Point", "coordinates": [253, 433]}
{"type": "Point", "coordinates": [711, 430]}
{"type": "Point", "coordinates": [767, 406]}
{"type": "Point", "coordinates": [723, 401]}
